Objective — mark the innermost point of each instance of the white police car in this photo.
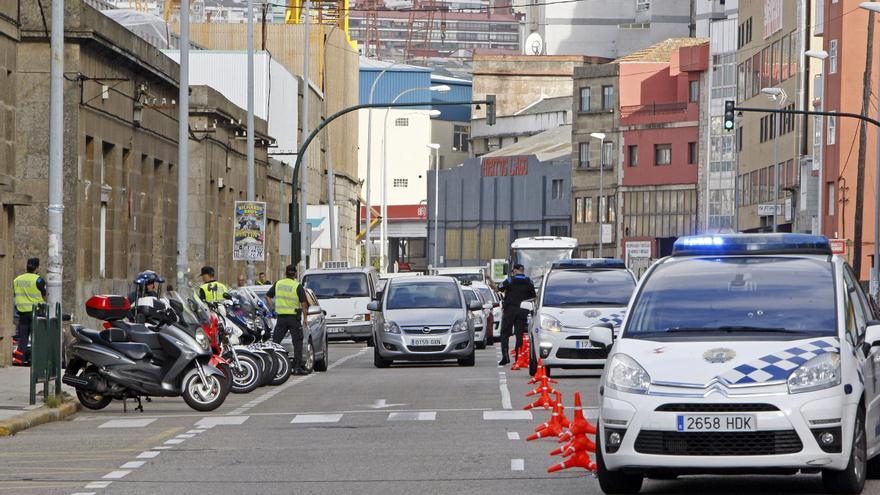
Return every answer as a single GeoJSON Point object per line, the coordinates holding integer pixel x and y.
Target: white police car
{"type": "Point", "coordinates": [577, 294]}
{"type": "Point", "coordinates": [742, 353]}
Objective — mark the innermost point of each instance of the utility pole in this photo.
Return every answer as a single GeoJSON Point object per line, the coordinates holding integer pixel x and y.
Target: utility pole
{"type": "Point", "coordinates": [251, 187]}
{"type": "Point", "coordinates": [54, 273]}
{"type": "Point", "coordinates": [331, 177]}
{"type": "Point", "coordinates": [305, 241]}
{"type": "Point", "coordinates": [183, 150]}
{"type": "Point", "coordinates": [863, 137]}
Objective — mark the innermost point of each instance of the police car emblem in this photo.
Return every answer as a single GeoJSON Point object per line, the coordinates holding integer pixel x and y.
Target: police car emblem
{"type": "Point", "coordinates": [719, 355]}
{"type": "Point", "coordinates": [592, 313]}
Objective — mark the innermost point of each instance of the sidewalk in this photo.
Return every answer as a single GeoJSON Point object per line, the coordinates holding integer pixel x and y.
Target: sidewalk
{"type": "Point", "coordinates": [16, 413]}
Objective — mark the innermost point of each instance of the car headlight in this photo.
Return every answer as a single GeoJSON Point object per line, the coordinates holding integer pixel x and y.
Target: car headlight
{"type": "Point", "coordinates": [391, 327]}
{"type": "Point", "coordinates": [549, 323]}
{"type": "Point", "coordinates": [202, 339]}
{"type": "Point", "coordinates": [459, 326]}
{"type": "Point", "coordinates": [822, 371]}
{"type": "Point", "coordinates": [625, 374]}
{"type": "Point", "coordinates": [361, 317]}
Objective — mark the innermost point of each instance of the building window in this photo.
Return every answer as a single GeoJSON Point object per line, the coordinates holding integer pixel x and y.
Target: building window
{"type": "Point", "coordinates": [559, 230]}
{"type": "Point", "coordinates": [662, 154]}
{"type": "Point", "coordinates": [401, 182]}
{"type": "Point", "coordinates": [556, 188]}
{"type": "Point", "coordinates": [692, 153]}
{"type": "Point", "coordinates": [461, 134]}
{"type": "Point", "coordinates": [584, 155]}
{"type": "Point", "coordinates": [401, 122]}
{"type": "Point", "coordinates": [643, 5]}
{"type": "Point", "coordinates": [608, 154]}
{"type": "Point", "coordinates": [588, 210]}
{"type": "Point", "coordinates": [832, 56]}
{"type": "Point", "coordinates": [584, 100]}
{"type": "Point", "coordinates": [694, 91]}
{"type": "Point", "coordinates": [607, 97]}
{"type": "Point", "coordinates": [832, 130]}
{"type": "Point", "coordinates": [633, 155]}
{"type": "Point", "coordinates": [831, 204]}
{"type": "Point", "coordinates": [579, 210]}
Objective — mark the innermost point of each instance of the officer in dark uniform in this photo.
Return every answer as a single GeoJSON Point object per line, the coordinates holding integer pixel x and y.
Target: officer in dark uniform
{"type": "Point", "coordinates": [516, 289]}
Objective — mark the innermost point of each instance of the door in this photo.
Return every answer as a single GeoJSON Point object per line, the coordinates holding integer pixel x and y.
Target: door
{"type": "Point", "coordinates": [857, 317]}
{"type": "Point", "coordinates": [317, 327]}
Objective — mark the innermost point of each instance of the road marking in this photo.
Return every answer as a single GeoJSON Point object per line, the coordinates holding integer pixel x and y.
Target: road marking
{"type": "Point", "coordinates": [98, 484]}
{"type": "Point", "coordinates": [162, 447]}
{"type": "Point", "coordinates": [505, 393]}
{"type": "Point", "coordinates": [186, 435]}
{"type": "Point", "coordinates": [194, 432]}
{"type": "Point", "coordinates": [507, 415]}
{"type": "Point", "coordinates": [517, 464]}
{"type": "Point", "coordinates": [316, 418]}
{"type": "Point", "coordinates": [512, 435]}
{"type": "Point", "coordinates": [148, 454]}
{"type": "Point", "coordinates": [116, 475]}
{"type": "Point", "coordinates": [174, 441]}
{"type": "Point", "coordinates": [412, 416]}
{"type": "Point", "coordinates": [132, 464]}
{"type": "Point", "coordinates": [382, 404]}
{"type": "Point", "coordinates": [128, 423]}
{"type": "Point", "coordinates": [84, 493]}
{"type": "Point", "coordinates": [221, 421]}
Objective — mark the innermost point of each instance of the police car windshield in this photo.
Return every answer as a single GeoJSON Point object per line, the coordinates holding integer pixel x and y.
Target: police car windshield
{"type": "Point", "coordinates": [423, 296]}
{"type": "Point", "coordinates": [588, 288]}
{"type": "Point", "coordinates": [467, 277]}
{"type": "Point", "coordinates": [337, 285]}
{"type": "Point", "coordinates": [724, 297]}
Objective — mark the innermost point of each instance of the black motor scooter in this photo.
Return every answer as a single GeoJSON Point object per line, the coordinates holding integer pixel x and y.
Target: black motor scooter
{"type": "Point", "coordinates": [157, 359]}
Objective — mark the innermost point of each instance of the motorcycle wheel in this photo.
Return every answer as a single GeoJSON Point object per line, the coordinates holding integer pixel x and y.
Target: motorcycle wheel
{"type": "Point", "coordinates": [247, 376]}
{"type": "Point", "coordinates": [92, 400]}
{"type": "Point", "coordinates": [271, 367]}
{"type": "Point", "coordinates": [227, 372]}
{"type": "Point", "coordinates": [263, 358]}
{"type": "Point", "coordinates": [283, 366]}
{"type": "Point", "coordinates": [203, 396]}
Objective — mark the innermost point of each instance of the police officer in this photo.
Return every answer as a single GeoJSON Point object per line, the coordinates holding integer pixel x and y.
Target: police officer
{"type": "Point", "coordinates": [29, 289]}
{"type": "Point", "coordinates": [211, 291]}
{"type": "Point", "coordinates": [516, 289]}
{"type": "Point", "coordinates": [292, 310]}
{"type": "Point", "coordinates": [262, 279]}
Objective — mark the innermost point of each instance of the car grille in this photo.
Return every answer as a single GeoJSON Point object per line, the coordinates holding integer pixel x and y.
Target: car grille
{"type": "Point", "coordinates": [718, 443]}
{"type": "Point", "coordinates": [426, 348]}
{"type": "Point", "coordinates": [566, 353]}
{"type": "Point", "coordinates": [716, 408]}
{"type": "Point", "coordinates": [421, 330]}
{"type": "Point", "coordinates": [337, 321]}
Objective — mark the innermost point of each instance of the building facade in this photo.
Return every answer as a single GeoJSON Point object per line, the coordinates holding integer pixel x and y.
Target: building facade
{"type": "Point", "coordinates": [541, 115]}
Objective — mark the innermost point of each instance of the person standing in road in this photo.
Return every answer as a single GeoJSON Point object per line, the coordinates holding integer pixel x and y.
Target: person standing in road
{"type": "Point", "coordinates": [292, 310]}
{"type": "Point", "coordinates": [516, 289]}
{"type": "Point", "coordinates": [211, 291]}
{"type": "Point", "coordinates": [29, 289]}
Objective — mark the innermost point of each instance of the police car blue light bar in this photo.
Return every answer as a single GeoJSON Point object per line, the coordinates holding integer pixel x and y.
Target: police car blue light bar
{"type": "Point", "coordinates": [744, 244]}
{"type": "Point", "coordinates": [589, 263]}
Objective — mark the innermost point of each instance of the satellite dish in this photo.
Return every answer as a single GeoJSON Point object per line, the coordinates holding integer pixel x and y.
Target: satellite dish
{"type": "Point", "coordinates": [534, 44]}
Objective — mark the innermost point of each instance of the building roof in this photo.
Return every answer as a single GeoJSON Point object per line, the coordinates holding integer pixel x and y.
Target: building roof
{"type": "Point", "coordinates": [450, 80]}
{"type": "Point", "coordinates": [662, 51]}
{"type": "Point", "coordinates": [370, 64]}
{"type": "Point", "coordinates": [547, 145]}
{"type": "Point", "coordinates": [546, 104]}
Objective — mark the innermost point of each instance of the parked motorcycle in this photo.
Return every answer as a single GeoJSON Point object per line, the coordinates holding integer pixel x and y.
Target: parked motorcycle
{"type": "Point", "coordinates": [243, 311]}
{"type": "Point", "coordinates": [246, 365]}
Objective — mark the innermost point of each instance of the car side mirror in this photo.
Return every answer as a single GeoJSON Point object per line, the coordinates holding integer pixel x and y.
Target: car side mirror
{"type": "Point", "coordinates": [374, 306]}
{"type": "Point", "coordinates": [602, 336]}
{"type": "Point", "coordinates": [315, 310]}
{"type": "Point", "coordinates": [872, 333]}
{"type": "Point", "coordinates": [528, 306]}
{"type": "Point", "coordinates": [488, 306]}
{"type": "Point", "coordinates": [475, 306]}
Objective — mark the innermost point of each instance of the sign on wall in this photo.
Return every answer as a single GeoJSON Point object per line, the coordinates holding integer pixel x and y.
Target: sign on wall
{"type": "Point", "coordinates": [767, 210]}
{"type": "Point", "coordinates": [638, 250]}
{"type": "Point", "coordinates": [319, 220]}
{"type": "Point", "coordinates": [502, 166]}
{"type": "Point", "coordinates": [249, 231]}
{"type": "Point", "coordinates": [607, 233]}
{"type": "Point", "coordinates": [772, 17]}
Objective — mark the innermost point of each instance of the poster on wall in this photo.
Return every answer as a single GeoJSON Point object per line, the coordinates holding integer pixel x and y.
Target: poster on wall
{"type": "Point", "coordinates": [249, 231]}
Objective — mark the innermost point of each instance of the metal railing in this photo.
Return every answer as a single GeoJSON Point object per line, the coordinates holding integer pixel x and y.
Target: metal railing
{"type": "Point", "coordinates": [653, 109]}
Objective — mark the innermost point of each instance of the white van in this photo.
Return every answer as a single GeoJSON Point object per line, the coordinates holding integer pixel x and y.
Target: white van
{"type": "Point", "coordinates": [344, 294]}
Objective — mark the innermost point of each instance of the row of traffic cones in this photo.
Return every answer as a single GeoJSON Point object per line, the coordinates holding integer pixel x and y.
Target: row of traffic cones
{"type": "Point", "coordinates": [573, 434]}
{"type": "Point", "coordinates": [521, 359]}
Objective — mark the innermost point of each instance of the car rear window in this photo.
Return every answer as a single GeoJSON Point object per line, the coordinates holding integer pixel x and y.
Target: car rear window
{"type": "Point", "coordinates": [423, 296]}
{"type": "Point", "coordinates": [588, 288]}
{"type": "Point", "coordinates": [337, 285]}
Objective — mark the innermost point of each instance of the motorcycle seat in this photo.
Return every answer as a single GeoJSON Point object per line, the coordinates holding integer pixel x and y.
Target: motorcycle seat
{"type": "Point", "coordinates": [134, 350]}
{"type": "Point", "coordinates": [90, 334]}
{"type": "Point", "coordinates": [143, 335]}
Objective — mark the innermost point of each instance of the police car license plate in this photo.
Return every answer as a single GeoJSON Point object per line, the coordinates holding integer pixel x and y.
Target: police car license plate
{"type": "Point", "coordinates": [423, 341]}
{"type": "Point", "coordinates": [335, 329]}
{"type": "Point", "coordinates": [582, 344]}
{"type": "Point", "coordinates": [716, 422]}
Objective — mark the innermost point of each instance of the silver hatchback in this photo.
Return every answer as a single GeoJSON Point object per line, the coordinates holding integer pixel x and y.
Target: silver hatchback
{"type": "Point", "coordinates": [423, 319]}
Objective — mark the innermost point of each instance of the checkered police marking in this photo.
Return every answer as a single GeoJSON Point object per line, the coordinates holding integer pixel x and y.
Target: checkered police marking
{"type": "Point", "coordinates": [776, 367]}
{"type": "Point", "coordinates": [616, 319]}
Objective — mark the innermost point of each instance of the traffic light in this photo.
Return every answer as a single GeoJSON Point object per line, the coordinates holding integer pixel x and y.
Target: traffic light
{"type": "Point", "coordinates": [490, 109]}
{"type": "Point", "coordinates": [729, 115]}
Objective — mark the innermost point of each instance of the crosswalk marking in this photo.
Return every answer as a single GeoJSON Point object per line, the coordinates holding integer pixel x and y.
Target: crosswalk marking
{"type": "Point", "coordinates": [128, 423]}
{"type": "Point", "coordinates": [517, 464]}
{"type": "Point", "coordinates": [210, 421]}
{"type": "Point", "coordinates": [116, 475]}
{"type": "Point", "coordinates": [132, 464]}
{"type": "Point", "coordinates": [512, 435]}
{"type": "Point", "coordinates": [507, 415]}
{"type": "Point", "coordinates": [412, 416]}
{"type": "Point", "coordinates": [316, 418]}
{"type": "Point", "coordinates": [98, 484]}
{"type": "Point", "coordinates": [174, 441]}
{"type": "Point", "coordinates": [148, 454]}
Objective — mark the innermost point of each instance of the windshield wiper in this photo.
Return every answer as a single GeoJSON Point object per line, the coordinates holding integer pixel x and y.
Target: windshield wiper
{"type": "Point", "coordinates": [732, 329]}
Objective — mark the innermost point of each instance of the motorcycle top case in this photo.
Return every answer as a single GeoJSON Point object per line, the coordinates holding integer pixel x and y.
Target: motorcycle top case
{"type": "Point", "coordinates": [108, 308]}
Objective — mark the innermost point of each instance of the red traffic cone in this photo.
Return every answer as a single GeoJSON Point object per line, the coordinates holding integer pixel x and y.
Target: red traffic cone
{"type": "Point", "coordinates": [579, 425]}
{"type": "Point", "coordinates": [541, 375]}
{"type": "Point", "coordinates": [544, 401]}
{"type": "Point", "coordinates": [581, 460]}
{"type": "Point", "coordinates": [540, 388]}
{"type": "Point", "coordinates": [580, 443]}
{"type": "Point", "coordinates": [561, 408]}
{"type": "Point", "coordinates": [551, 428]}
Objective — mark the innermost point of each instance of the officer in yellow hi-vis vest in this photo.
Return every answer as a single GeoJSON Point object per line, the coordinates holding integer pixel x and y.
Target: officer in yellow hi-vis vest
{"type": "Point", "coordinates": [29, 289]}
{"type": "Point", "coordinates": [291, 309]}
{"type": "Point", "coordinates": [211, 290]}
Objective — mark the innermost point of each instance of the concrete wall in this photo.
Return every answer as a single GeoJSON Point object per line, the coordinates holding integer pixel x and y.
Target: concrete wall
{"type": "Point", "coordinates": [442, 134]}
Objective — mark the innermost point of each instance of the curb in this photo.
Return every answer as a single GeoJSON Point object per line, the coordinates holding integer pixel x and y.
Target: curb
{"type": "Point", "coordinates": [45, 414]}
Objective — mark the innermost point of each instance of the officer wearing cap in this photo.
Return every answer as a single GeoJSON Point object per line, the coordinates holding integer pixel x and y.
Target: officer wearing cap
{"type": "Point", "coordinates": [29, 289]}
{"type": "Point", "coordinates": [292, 310]}
{"type": "Point", "coordinates": [211, 291]}
{"type": "Point", "coordinates": [516, 289]}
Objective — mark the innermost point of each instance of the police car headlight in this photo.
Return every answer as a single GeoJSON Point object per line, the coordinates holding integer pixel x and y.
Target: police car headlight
{"type": "Point", "coordinates": [549, 323]}
{"type": "Point", "coordinates": [459, 326]}
{"type": "Point", "coordinates": [202, 339]}
{"type": "Point", "coordinates": [821, 372]}
{"type": "Point", "coordinates": [391, 327]}
{"type": "Point", "coordinates": [625, 374]}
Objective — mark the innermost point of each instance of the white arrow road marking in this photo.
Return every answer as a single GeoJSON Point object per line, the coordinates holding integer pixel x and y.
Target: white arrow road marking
{"type": "Point", "coordinates": [382, 404]}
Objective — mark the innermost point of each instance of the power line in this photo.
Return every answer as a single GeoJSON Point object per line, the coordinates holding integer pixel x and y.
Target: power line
{"type": "Point", "coordinates": [481, 10]}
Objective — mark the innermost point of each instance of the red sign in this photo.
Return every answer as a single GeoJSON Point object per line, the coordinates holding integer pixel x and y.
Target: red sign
{"type": "Point", "coordinates": [503, 166]}
{"type": "Point", "coordinates": [838, 246]}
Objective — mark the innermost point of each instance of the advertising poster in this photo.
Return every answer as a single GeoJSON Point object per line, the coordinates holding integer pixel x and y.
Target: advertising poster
{"type": "Point", "coordinates": [249, 231]}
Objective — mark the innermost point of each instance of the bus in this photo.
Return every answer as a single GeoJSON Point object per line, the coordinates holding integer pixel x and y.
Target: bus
{"type": "Point", "coordinates": [536, 254]}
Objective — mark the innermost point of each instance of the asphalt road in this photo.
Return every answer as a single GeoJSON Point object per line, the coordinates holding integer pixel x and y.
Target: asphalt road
{"type": "Point", "coordinates": [354, 429]}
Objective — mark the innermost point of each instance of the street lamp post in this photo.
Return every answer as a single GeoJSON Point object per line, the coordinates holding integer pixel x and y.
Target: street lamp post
{"type": "Point", "coordinates": [820, 55]}
{"type": "Point", "coordinates": [383, 241]}
{"type": "Point", "coordinates": [778, 95]}
{"type": "Point", "coordinates": [875, 266]}
{"type": "Point", "coordinates": [601, 137]}
{"type": "Point", "coordinates": [436, 206]}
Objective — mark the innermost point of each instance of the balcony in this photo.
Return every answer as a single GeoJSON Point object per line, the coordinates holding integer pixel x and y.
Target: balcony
{"type": "Point", "coordinates": [655, 113]}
